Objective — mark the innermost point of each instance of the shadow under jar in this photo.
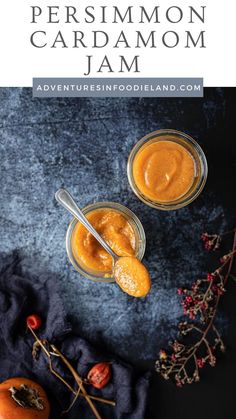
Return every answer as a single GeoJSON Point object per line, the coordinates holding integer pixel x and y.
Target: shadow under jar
{"type": "Point", "coordinates": [127, 222]}
{"type": "Point", "coordinates": [167, 169]}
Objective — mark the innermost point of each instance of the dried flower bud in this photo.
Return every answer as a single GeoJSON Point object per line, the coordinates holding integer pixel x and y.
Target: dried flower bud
{"type": "Point", "coordinates": [212, 361]}
{"type": "Point", "coordinates": [224, 259]}
{"type": "Point", "coordinates": [162, 355]}
{"type": "Point", "coordinates": [99, 375]}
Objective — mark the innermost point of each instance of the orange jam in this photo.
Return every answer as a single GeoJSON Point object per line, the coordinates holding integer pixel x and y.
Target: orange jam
{"type": "Point", "coordinates": [163, 170]}
{"type": "Point", "coordinates": [115, 230]}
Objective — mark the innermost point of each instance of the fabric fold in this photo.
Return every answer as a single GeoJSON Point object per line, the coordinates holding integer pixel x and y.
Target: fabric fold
{"type": "Point", "coordinates": [21, 296]}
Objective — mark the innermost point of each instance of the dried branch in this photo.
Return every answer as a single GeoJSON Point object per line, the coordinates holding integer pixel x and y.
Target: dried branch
{"type": "Point", "coordinates": [80, 391]}
{"type": "Point", "coordinates": [200, 304]}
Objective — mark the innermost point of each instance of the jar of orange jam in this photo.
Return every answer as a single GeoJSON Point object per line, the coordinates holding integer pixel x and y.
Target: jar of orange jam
{"type": "Point", "coordinates": [167, 169]}
{"type": "Point", "coordinates": [118, 226]}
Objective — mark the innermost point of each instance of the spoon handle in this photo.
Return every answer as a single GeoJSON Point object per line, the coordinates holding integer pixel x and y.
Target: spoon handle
{"type": "Point", "coordinates": [65, 199]}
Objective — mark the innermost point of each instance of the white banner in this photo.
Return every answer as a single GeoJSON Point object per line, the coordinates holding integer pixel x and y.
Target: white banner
{"type": "Point", "coordinates": [68, 38]}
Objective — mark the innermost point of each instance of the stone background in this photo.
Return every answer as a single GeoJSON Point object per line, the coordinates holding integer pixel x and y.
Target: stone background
{"type": "Point", "coordinates": [83, 145]}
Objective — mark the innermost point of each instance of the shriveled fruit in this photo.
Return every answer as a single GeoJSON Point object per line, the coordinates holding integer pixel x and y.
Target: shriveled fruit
{"type": "Point", "coordinates": [22, 398]}
{"type": "Point", "coordinates": [99, 375]}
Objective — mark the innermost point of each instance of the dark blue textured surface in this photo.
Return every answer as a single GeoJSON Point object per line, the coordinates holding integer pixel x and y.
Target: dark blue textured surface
{"type": "Point", "coordinates": [83, 144]}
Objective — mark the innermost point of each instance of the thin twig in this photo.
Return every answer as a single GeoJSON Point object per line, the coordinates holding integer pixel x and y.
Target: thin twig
{"type": "Point", "coordinates": [72, 403]}
{"type": "Point", "coordinates": [78, 380]}
{"type": "Point", "coordinates": [54, 372]}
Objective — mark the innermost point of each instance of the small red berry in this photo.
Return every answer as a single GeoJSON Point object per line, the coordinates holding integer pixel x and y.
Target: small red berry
{"type": "Point", "coordinates": [208, 245]}
{"type": "Point", "coordinates": [34, 321]}
{"type": "Point", "coordinates": [189, 299]}
{"type": "Point", "coordinates": [194, 286]}
{"type": "Point", "coordinates": [220, 291]}
{"type": "Point", "coordinates": [214, 288]}
{"type": "Point", "coordinates": [180, 291]}
{"type": "Point", "coordinates": [217, 290]}
{"type": "Point", "coordinates": [200, 363]}
{"type": "Point", "coordinates": [192, 315]}
{"type": "Point", "coordinates": [210, 277]}
{"type": "Point", "coordinates": [204, 237]}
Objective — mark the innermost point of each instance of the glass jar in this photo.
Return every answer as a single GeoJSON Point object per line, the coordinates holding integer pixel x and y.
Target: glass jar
{"type": "Point", "coordinates": [200, 167]}
{"type": "Point", "coordinates": [140, 240]}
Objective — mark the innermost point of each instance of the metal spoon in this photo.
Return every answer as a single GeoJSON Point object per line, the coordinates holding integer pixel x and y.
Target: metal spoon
{"type": "Point", "coordinates": [65, 199]}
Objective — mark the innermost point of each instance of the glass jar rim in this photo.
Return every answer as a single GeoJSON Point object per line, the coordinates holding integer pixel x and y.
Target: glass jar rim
{"type": "Point", "coordinates": [100, 205]}
{"type": "Point", "coordinates": [182, 137]}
